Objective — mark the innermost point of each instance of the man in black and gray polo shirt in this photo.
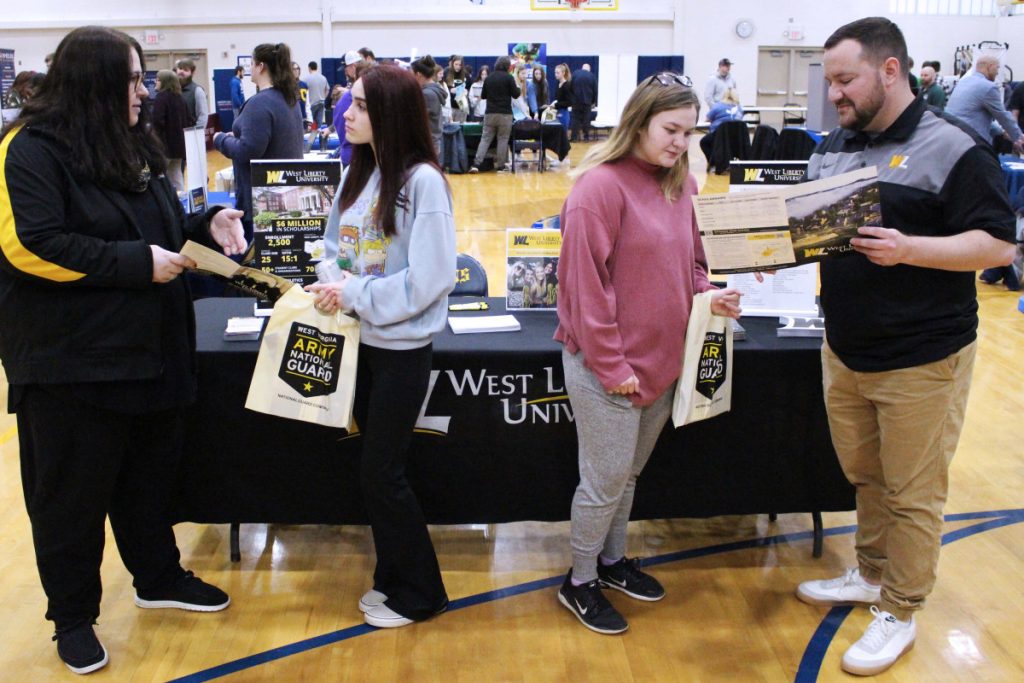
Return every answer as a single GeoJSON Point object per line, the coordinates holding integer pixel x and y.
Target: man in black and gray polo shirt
{"type": "Point", "coordinates": [900, 325]}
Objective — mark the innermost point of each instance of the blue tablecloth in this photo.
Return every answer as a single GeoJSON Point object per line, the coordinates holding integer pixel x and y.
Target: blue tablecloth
{"type": "Point", "coordinates": [1013, 171]}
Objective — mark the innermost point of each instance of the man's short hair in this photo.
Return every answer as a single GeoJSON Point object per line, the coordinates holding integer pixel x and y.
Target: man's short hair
{"type": "Point", "coordinates": [185, 63]}
{"type": "Point", "coordinates": [239, 70]}
{"type": "Point", "coordinates": [366, 53]}
{"type": "Point", "coordinates": [879, 39]}
{"type": "Point", "coordinates": [312, 66]}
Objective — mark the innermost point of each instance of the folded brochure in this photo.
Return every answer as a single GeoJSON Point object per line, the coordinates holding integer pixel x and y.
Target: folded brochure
{"type": "Point", "coordinates": [252, 280]}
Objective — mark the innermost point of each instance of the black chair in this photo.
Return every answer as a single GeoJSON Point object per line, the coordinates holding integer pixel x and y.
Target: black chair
{"type": "Point", "coordinates": [795, 144]}
{"type": "Point", "coordinates": [731, 141]}
{"type": "Point", "coordinates": [766, 141]}
{"type": "Point", "coordinates": [470, 277]}
{"type": "Point", "coordinates": [528, 134]}
{"type": "Point", "coordinates": [792, 118]}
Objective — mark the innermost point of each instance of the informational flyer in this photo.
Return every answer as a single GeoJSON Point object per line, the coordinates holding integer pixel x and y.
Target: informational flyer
{"type": "Point", "coordinates": [291, 200]}
{"type": "Point", "coordinates": [789, 292]}
{"type": "Point", "coordinates": [531, 276]}
{"type": "Point", "coordinates": [752, 231]}
{"type": "Point", "coordinates": [263, 285]}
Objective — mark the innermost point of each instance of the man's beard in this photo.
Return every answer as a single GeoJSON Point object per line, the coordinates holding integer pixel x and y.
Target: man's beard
{"type": "Point", "coordinates": [868, 110]}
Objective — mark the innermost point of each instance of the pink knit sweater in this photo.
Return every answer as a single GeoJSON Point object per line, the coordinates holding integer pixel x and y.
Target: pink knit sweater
{"type": "Point", "coordinates": [630, 264]}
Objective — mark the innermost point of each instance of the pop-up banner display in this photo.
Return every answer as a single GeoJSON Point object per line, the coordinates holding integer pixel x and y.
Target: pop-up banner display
{"type": "Point", "coordinates": [291, 200]}
{"type": "Point", "coordinates": [195, 168]}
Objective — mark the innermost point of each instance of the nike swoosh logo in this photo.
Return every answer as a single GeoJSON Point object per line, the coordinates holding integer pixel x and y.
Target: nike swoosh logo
{"type": "Point", "coordinates": [581, 608]}
{"type": "Point", "coordinates": [621, 584]}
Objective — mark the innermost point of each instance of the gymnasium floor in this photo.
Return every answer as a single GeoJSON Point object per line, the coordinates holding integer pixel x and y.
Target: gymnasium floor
{"type": "Point", "coordinates": [730, 613]}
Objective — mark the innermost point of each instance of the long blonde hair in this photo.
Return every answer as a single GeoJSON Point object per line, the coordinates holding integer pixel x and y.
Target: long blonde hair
{"type": "Point", "coordinates": [661, 92]}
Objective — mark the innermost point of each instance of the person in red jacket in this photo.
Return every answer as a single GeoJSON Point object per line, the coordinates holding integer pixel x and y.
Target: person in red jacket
{"type": "Point", "coordinates": [630, 263]}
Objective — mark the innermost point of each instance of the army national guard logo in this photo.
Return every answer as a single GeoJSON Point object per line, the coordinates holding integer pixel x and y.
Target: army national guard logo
{"type": "Point", "coordinates": [311, 361]}
{"type": "Point", "coordinates": [713, 359]}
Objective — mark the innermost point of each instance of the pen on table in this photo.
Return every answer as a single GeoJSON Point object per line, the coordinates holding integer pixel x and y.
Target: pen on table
{"type": "Point", "coordinates": [475, 306]}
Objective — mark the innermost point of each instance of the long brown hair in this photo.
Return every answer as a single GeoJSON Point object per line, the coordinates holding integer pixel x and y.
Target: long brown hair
{"type": "Point", "coordinates": [91, 68]}
{"type": "Point", "coordinates": [278, 59]}
{"type": "Point", "coordinates": [401, 141]}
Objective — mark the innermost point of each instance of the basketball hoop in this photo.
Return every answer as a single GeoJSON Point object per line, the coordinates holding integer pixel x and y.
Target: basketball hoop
{"type": "Point", "coordinates": [574, 7]}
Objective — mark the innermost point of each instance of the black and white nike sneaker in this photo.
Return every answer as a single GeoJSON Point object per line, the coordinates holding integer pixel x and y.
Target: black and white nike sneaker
{"type": "Point", "coordinates": [591, 607]}
{"type": "Point", "coordinates": [625, 576]}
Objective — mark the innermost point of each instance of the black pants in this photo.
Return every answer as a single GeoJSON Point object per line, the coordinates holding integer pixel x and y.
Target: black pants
{"type": "Point", "coordinates": [707, 145]}
{"type": "Point", "coordinates": [80, 464]}
{"type": "Point", "coordinates": [580, 120]}
{"type": "Point", "coordinates": [390, 390]}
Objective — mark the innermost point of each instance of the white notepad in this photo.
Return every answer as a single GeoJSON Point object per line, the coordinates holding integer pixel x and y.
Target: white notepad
{"type": "Point", "coordinates": [483, 323]}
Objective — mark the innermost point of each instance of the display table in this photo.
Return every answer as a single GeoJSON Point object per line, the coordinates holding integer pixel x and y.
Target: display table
{"type": "Point", "coordinates": [553, 137]}
{"type": "Point", "coordinates": [497, 442]}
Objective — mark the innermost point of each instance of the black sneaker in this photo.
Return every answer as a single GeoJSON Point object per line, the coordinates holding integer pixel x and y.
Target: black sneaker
{"type": "Point", "coordinates": [591, 607]}
{"type": "Point", "coordinates": [80, 649]}
{"type": "Point", "coordinates": [187, 592]}
{"type": "Point", "coordinates": [625, 576]}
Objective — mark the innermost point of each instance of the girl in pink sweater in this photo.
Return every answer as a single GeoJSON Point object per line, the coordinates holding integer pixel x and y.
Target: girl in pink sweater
{"type": "Point", "coordinates": [630, 264]}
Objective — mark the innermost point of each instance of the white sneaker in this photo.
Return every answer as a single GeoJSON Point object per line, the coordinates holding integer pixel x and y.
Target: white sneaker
{"type": "Point", "coordinates": [383, 616]}
{"type": "Point", "coordinates": [884, 641]}
{"type": "Point", "coordinates": [370, 600]}
{"type": "Point", "coordinates": [848, 589]}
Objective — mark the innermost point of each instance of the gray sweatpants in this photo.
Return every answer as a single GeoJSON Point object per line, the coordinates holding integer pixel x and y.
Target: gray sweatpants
{"type": "Point", "coordinates": [616, 439]}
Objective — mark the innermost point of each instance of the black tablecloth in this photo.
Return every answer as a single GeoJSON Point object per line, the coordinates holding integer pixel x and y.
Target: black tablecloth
{"type": "Point", "coordinates": [553, 137]}
{"type": "Point", "coordinates": [493, 461]}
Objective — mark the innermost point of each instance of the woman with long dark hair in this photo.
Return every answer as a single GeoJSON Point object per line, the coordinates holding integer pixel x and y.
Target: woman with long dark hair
{"type": "Point", "coordinates": [478, 105]}
{"type": "Point", "coordinates": [627, 222]}
{"type": "Point", "coordinates": [396, 199]}
{"type": "Point", "coordinates": [537, 94]}
{"type": "Point", "coordinates": [270, 125]}
{"type": "Point", "coordinates": [456, 77]}
{"type": "Point", "coordinates": [98, 333]}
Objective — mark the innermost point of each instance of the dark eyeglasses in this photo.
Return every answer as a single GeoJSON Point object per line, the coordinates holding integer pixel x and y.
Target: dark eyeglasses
{"type": "Point", "coordinates": [668, 78]}
{"type": "Point", "coordinates": [135, 78]}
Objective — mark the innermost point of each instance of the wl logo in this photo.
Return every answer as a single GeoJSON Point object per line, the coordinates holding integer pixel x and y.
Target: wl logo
{"type": "Point", "coordinates": [752, 175]}
{"type": "Point", "coordinates": [275, 177]}
{"type": "Point", "coordinates": [520, 240]}
{"type": "Point", "coordinates": [898, 161]}
{"type": "Point", "coordinates": [809, 253]}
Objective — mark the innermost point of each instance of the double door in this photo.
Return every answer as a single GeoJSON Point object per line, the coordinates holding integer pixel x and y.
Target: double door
{"type": "Point", "coordinates": [782, 77]}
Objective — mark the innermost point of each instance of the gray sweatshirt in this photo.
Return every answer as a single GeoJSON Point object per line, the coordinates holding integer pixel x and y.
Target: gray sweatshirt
{"type": "Point", "coordinates": [402, 284]}
{"type": "Point", "coordinates": [435, 97]}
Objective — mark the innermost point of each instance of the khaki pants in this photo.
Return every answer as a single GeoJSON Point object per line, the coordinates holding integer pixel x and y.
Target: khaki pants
{"type": "Point", "coordinates": [895, 433]}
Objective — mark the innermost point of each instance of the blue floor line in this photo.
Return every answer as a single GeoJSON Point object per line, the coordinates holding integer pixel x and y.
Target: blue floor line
{"type": "Point", "coordinates": [809, 665]}
{"type": "Point", "coordinates": [814, 654]}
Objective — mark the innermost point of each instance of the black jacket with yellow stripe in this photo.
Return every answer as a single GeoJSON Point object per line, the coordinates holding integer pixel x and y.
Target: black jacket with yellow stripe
{"type": "Point", "coordinates": [77, 301]}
